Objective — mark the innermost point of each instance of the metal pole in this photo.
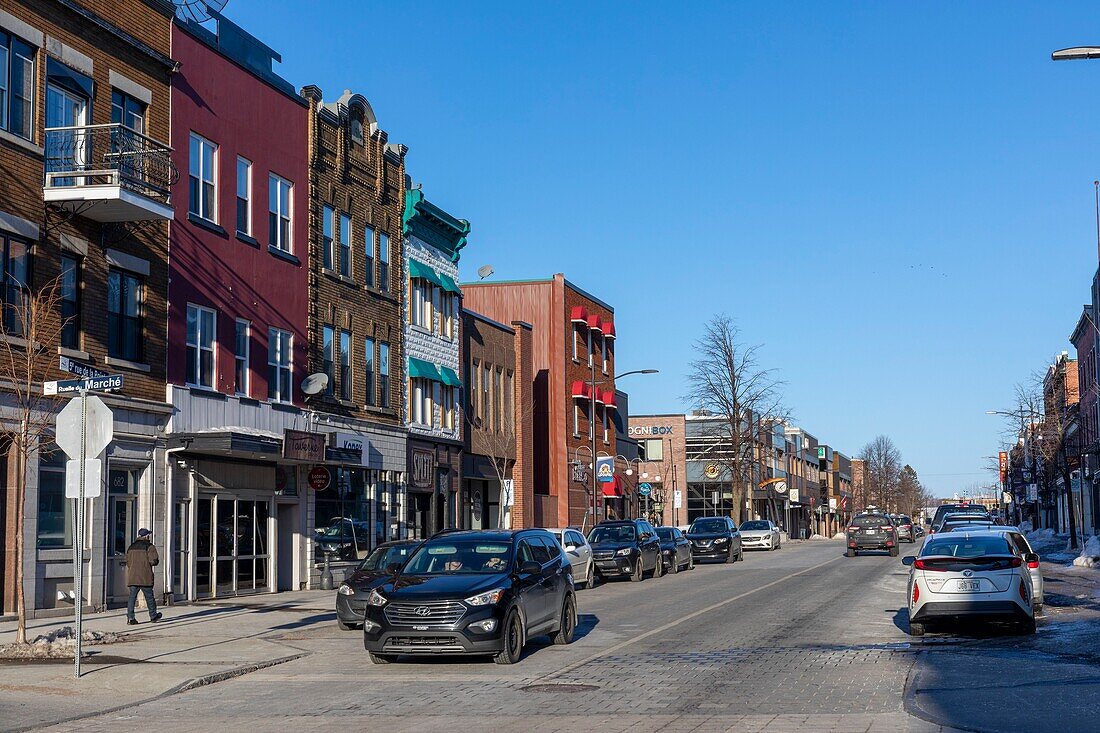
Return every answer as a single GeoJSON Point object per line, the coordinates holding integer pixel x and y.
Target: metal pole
{"type": "Point", "coordinates": [592, 425]}
{"type": "Point", "coordinates": [78, 575]}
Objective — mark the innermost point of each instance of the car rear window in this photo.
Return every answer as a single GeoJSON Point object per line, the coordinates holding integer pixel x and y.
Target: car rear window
{"type": "Point", "coordinates": [966, 547]}
{"type": "Point", "coordinates": [871, 520]}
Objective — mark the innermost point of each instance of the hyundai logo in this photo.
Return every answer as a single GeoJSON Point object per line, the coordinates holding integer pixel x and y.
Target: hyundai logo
{"type": "Point", "coordinates": [966, 573]}
{"type": "Point", "coordinates": [422, 611]}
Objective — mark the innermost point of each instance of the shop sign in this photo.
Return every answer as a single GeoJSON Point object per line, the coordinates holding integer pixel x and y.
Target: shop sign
{"type": "Point", "coordinates": [1003, 459]}
{"type": "Point", "coordinates": [711, 471]}
{"type": "Point", "coordinates": [794, 495]}
{"type": "Point", "coordinates": [319, 478]}
{"type": "Point", "coordinates": [1033, 492]}
{"type": "Point", "coordinates": [580, 473]}
{"type": "Point", "coordinates": [832, 504]}
{"type": "Point", "coordinates": [423, 468]}
{"type": "Point", "coordinates": [507, 492]}
{"type": "Point", "coordinates": [357, 443]}
{"type": "Point", "coordinates": [605, 469]}
{"type": "Point", "coordinates": [677, 499]}
{"type": "Point", "coordinates": [649, 430]}
{"type": "Point", "coordinates": [299, 445]}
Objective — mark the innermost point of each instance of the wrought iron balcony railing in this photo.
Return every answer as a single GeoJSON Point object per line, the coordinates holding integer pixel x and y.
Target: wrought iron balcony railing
{"type": "Point", "coordinates": [109, 155]}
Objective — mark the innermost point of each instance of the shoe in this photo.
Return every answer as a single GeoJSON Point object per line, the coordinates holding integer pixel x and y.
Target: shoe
{"type": "Point", "coordinates": [131, 622]}
{"type": "Point", "coordinates": [156, 617]}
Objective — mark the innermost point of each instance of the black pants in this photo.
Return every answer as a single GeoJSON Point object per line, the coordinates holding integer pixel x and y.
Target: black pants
{"type": "Point", "coordinates": [150, 601]}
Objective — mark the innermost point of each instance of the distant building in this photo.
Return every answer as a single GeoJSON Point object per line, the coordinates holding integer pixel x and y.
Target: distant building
{"type": "Point", "coordinates": [1084, 340]}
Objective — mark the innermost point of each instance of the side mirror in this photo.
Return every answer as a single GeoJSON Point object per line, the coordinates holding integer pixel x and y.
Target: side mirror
{"type": "Point", "coordinates": [570, 548]}
{"type": "Point", "coordinates": [1031, 557]}
{"type": "Point", "coordinates": [908, 560]}
{"type": "Point", "coordinates": [530, 568]}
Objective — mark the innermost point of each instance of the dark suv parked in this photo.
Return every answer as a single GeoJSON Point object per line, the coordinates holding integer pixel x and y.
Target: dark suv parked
{"type": "Point", "coordinates": [382, 563]}
{"type": "Point", "coordinates": [473, 592]}
{"type": "Point", "coordinates": [872, 532]}
{"type": "Point", "coordinates": [627, 548]}
{"type": "Point", "coordinates": [715, 538]}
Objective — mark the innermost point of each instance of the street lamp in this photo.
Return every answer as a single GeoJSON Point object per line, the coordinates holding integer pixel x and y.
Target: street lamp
{"type": "Point", "coordinates": [592, 418]}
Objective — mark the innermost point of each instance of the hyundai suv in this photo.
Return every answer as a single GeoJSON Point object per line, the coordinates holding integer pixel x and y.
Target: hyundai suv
{"type": "Point", "coordinates": [627, 548]}
{"type": "Point", "coordinates": [473, 592]}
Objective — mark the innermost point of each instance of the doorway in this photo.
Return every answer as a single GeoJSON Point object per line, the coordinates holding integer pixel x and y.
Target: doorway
{"type": "Point", "coordinates": [122, 486]}
{"type": "Point", "coordinates": [286, 577]}
{"type": "Point", "coordinates": [232, 549]}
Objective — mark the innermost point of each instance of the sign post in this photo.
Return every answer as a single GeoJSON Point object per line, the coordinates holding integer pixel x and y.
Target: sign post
{"type": "Point", "coordinates": [85, 427]}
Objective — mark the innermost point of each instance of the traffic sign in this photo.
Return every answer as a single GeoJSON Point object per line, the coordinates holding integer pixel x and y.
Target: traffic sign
{"type": "Point", "coordinates": [81, 370]}
{"type": "Point", "coordinates": [108, 383]}
{"type": "Point", "coordinates": [99, 431]}
{"type": "Point", "coordinates": [677, 499]}
{"type": "Point", "coordinates": [93, 479]}
{"type": "Point", "coordinates": [644, 489]}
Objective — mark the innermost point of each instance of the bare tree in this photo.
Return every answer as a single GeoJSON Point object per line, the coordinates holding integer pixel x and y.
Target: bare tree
{"type": "Point", "coordinates": [499, 446]}
{"type": "Point", "coordinates": [727, 379]}
{"type": "Point", "coordinates": [33, 325]}
{"type": "Point", "coordinates": [882, 471]}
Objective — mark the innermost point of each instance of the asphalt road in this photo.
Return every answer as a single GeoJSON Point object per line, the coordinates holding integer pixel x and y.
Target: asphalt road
{"type": "Point", "coordinates": [798, 639]}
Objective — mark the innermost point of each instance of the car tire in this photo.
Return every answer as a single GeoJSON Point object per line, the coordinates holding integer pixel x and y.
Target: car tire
{"type": "Point", "coordinates": [589, 577]}
{"type": "Point", "coordinates": [1027, 627]}
{"type": "Point", "coordinates": [916, 629]}
{"type": "Point", "coordinates": [741, 554]}
{"type": "Point", "coordinates": [691, 562]}
{"type": "Point", "coordinates": [850, 552]}
{"type": "Point", "coordinates": [567, 624]}
{"type": "Point", "coordinates": [673, 567]}
{"type": "Point", "coordinates": [513, 640]}
{"type": "Point", "coordinates": [638, 574]}
{"type": "Point", "coordinates": [893, 552]}
{"type": "Point", "coordinates": [1038, 608]}
{"type": "Point", "coordinates": [659, 566]}
{"type": "Point", "coordinates": [348, 627]}
{"type": "Point", "coordinates": [381, 658]}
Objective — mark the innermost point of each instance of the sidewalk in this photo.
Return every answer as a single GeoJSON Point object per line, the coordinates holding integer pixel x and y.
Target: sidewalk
{"type": "Point", "coordinates": [192, 645]}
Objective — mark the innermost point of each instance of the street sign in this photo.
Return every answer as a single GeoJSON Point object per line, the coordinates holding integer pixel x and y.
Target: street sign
{"type": "Point", "coordinates": [644, 489]}
{"type": "Point", "coordinates": [93, 478]}
{"type": "Point", "coordinates": [99, 431]}
{"type": "Point", "coordinates": [507, 492]}
{"type": "Point", "coordinates": [1033, 492]}
{"type": "Point", "coordinates": [108, 383]}
{"type": "Point", "coordinates": [81, 370]}
{"type": "Point", "coordinates": [677, 499]}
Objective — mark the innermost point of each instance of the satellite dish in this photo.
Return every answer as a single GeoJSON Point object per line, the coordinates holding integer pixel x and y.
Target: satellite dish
{"type": "Point", "coordinates": [198, 10]}
{"type": "Point", "coordinates": [315, 383]}
{"type": "Point", "coordinates": [484, 271]}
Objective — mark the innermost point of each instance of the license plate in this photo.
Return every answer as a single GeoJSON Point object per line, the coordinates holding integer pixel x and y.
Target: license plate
{"type": "Point", "coordinates": [968, 586]}
{"type": "Point", "coordinates": [869, 531]}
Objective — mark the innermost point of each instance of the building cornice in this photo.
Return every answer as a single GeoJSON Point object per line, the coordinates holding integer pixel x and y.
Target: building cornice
{"type": "Point", "coordinates": [122, 35]}
{"type": "Point", "coordinates": [432, 225]}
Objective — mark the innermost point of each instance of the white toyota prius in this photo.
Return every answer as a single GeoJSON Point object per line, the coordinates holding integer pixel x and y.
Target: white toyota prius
{"type": "Point", "coordinates": [976, 576]}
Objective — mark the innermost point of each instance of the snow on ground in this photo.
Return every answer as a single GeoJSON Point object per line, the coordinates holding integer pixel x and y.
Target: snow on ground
{"type": "Point", "coordinates": [1090, 554]}
{"type": "Point", "coordinates": [57, 644]}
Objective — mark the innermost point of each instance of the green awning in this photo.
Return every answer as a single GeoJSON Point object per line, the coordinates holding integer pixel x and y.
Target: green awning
{"type": "Point", "coordinates": [420, 369]}
{"type": "Point", "coordinates": [449, 375]}
{"type": "Point", "coordinates": [420, 270]}
{"type": "Point", "coordinates": [449, 284]}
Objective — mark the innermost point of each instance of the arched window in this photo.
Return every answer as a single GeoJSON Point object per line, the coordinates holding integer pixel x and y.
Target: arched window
{"type": "Point", "coordinates": [357, 122]}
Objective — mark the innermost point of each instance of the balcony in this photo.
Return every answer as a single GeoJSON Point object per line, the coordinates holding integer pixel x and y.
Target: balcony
{"type": "Point", "coordinates": [108, 173]}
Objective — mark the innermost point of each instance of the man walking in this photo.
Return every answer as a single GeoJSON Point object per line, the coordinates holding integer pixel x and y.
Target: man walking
{"type": "Point", "coordinates": [141, 558]}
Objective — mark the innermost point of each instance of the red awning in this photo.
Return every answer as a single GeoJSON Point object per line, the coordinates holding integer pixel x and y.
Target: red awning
{"type": "Point", "coordinates": [594, 323]}
{"type": "Point", "coordinates": [608, 399]}
{"type": "Point", "coordinates": [614, 488]}
{"type": "Point", "coordinates": [581, 390]}
{"type": "Point", "coordinates": [609, 329]}
{"type": "Point", "coordinates": [599, 396]}
{"type": "Point", "coordinates": [579, 314]}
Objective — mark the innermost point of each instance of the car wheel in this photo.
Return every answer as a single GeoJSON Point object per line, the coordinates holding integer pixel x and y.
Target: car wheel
{"type": "Point", "coordinates": [741, 554]}
{"type": "Point", "coordinates": [1038, 608]}
{"type": "Point", "coordinates": [850, 552]}
{"type": "Point", "coordinates": [513, 640]}
{"type": "Point", "coordinates": [691, 562]}
{"type": "Point", "coordinates": [659, 566]}
{"type": "Point", "coordinates": [1027, 627]}
{"type": "Point", "coordinates": [567, 625]}
{"type": "Point", "coordinates": [638, 574]}
{"type": "Point", "coordinates": [673, 567]}
{"type": "Point", "coordinates": [916, 629]}
{"type": "Point", "coordinates": [381, 658]}
{"type": "Point", "coordinates": [730, 557]}
{"type": "Point", "coordinates": [590, 577]}
{"type": "Point", "coordinates": [893, 552]}
{"type": "Point", "coordinates": [348, 627]}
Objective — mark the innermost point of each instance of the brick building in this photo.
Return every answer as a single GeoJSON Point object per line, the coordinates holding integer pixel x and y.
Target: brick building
{"type": "Point", "coordinates": [85, 171]}
{"type": "Point", "coordinates": [496, 364]}
{"type": "Point", "coordinates": [356, 329]}
{"type": "Point", "coordinates": [1084, 342]}
{"type": "Point", "coordinates": [804, 482]}
{"type": "Point", "coordinates": [664, 465]}
{"type": "Point", "coordinates": [1061, 424]}
{"type": "Point", "coordinates": [574, 345]}
{"type": "Point", "coordinates": [433, 240]}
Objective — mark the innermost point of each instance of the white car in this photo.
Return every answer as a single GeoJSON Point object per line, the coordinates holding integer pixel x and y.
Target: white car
{"type": "Point", "coordinates": [1016, 537]}
{"type": "Point", "coordinates": [579, 553]}
{"type": "Point", "coordinates": [759, 534]}
{"type": "Point", "coordinates": [969, 575]}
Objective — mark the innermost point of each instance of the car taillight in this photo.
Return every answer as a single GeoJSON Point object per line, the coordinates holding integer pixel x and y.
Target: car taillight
{"type": "Point", "coordinates": [909, 526]}
{"type": "Point", "coordinates": [916, 592]}
{"type": "Point", "coordinates": [853, 529]}
{"type": "Point", "coordinates": [1034, 564]}
{"type": "Point", "coordinates": [886, 529]}
{"type": "Point", "coordinates": [1015, 562]}
{"type": "Point", "coordinates": [922, 565]}
{"type": "Point", "coordinates": [1023, 590]}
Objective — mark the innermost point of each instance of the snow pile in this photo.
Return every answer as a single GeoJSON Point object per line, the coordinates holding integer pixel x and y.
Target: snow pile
{"type": "Point", "coordinates": [840, 536]}
{"type": "Point", "coordinates": [1040, 535]}
{"type": "Point", "coordinates": [57, 644]}
{"type": "Point", "coordinates": [1090, 554]}
{"type": "Point", "coordinates": [1025, 527]}
{"type": "Point", "coordinates": [816, 537]}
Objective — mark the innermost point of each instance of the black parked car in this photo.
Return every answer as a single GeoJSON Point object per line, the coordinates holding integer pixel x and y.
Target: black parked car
{"type": "Point", "coordinates": [872, 532]}
{"type": "Point", "coordinates": [627, 548]}
{"type": "Point", "coordinates": [376, 568]}
{"type": "Point", "coordinates": [473, 592]}
{"type": "Point", "coordinates": [676, 549]}
{"type": "Point", "coordinates": [715, 538]}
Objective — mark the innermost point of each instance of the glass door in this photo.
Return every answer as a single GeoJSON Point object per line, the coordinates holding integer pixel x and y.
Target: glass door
{"type": "Point", "coordinates": [69, 146]}
{"type": "Point", "coordinates": [181, 555]}
{"type": "Point", "coordinates": [121, 529]}
{"type": "Point", "coordinates": [232, 545]}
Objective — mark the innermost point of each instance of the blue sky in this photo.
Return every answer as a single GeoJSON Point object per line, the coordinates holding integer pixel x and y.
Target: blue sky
{"type": "Point", "coordinates": [895, 199]}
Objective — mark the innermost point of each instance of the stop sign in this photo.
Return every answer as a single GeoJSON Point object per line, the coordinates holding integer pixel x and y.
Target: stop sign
{"type": "Point", "coordinates": [319, 478]}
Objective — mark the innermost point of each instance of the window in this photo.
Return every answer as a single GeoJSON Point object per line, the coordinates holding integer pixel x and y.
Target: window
{"type": "Point", "coordinates": [437, 399]}
{"type": "Point", "coordinates": [420, 402]}
{"type": "Point", "coordinates": [345, 245]}
{"type": "Point", "coordinates": [486, 396]}
{"type": "Point", "coordinates": [328, 216]}
{"type": "Point", "coordinates": [653, 449]}
{"type": "Point", "coordinates": [420, 303]}
{"type": "Point", "coordinates": [200, 346]}
{"type": "Point", "coordinates": [384, 374]}
{"type": "Point", "coordinates": [241, 340]}
{"type": "Point", "coordinates": [327, 360]}
{"type": "Point", "coordinates": [498, 382]}
{"type": "Point", "coordinates": [576, 343]}
{"type": "Point", "coordinates": [368, 377]}
{"type": "Point", "coordinates": [279, 347]}
{"type": "Point", "coordinates": [70, 302]}
{"type": "Point", "coordinates": [576, 419]}
{"type": "Point", "coordinates": [278, 219]}
{"type": "Point", "coordinates": [449, 408]}
{"type": "Point", "coordinates": [125, 299]}
{"type": "Point", "coordinates": [368, 249]}
{"type": "Point", "coordinates": [603, 343]}
{"type": "Point", "coordinates": [437, 307]}
{"type": "Point", "coordinates": [472, 391]}
{"type": "Point", "coordinates": [345, 365]}
{"type": "Point", "coordinates": [68, 97]}
{"type": "Point", "coordinates": [127, 111]}
{"type": "Point", "coordinates": [203, 189]}
{"type": "Point", "coordinates": [383, 261]}
{"type": "Point", "coordinates": [17, 79]}
{"type": "Point", "coordinates": [446, 315]}
{"type": "Point", "coordinates": [606, 434]}
{"type": "Point", "coordinates": [509, 404]}
{"type": "Point", "coordinates": [16, 254]}
{"type": "Point", "coordinates": [244, 196]}
{"type": "Point", "coordinates": [590, 356]}
{"type": "Point", "coordinates": [55, 512]}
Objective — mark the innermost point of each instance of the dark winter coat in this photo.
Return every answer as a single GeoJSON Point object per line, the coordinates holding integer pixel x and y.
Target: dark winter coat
{"type": "Point", "coordinates": [141, 558]}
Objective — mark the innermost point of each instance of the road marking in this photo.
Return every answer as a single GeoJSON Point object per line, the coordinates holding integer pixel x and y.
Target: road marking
{"type": "Point", "coordinates": [623, 644]}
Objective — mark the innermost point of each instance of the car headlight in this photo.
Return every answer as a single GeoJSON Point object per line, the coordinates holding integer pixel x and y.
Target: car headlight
{"type": "Point", "coordinates": [376, 599]}
{"type": "Point", "coordinates": [345, 590]}
{"type": "Point", "coordinates": [623, 552]}
{"type": "Point", "coordinates": [721, 540]}
{"type": "Point", "coordinates": [487, 598]}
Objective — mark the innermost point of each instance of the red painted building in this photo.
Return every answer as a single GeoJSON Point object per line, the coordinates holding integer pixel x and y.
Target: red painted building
{"type": "Point", "coordinates": [237, 319]}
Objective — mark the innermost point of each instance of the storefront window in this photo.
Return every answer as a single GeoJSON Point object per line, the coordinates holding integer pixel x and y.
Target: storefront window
{"type": "Point", "coordinates": [343, 522]}
{"type": "Point", "coordinates": [55, 521]}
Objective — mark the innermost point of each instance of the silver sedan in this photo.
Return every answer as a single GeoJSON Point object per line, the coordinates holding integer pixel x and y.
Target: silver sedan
{"type": "Point", "coordinates": [579, 553]}
{"type": "Point", "coordinates": [760, 534]}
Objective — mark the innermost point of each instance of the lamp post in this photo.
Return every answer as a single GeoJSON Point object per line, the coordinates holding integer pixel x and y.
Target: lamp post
{"type": "Point", "coordinates": [592, 418]}
{"type": "Point", "coordinates": [630, 472]}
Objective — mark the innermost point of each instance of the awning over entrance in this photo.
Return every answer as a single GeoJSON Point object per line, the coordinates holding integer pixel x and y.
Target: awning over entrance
{"type": "Point", "coordinates": [614, 488]}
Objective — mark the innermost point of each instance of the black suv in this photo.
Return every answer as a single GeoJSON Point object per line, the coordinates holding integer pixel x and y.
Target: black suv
{"type": "Point", "coordinates": [627, 548]}
{"type": "Point", "coordinates": [351, 596]}
{"type": "Point", "coordinates": [473, 592]}
{"type": "Point", "coordinates": [715, 538]}
{"type": "Point", "coordinates": [872, 532]}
